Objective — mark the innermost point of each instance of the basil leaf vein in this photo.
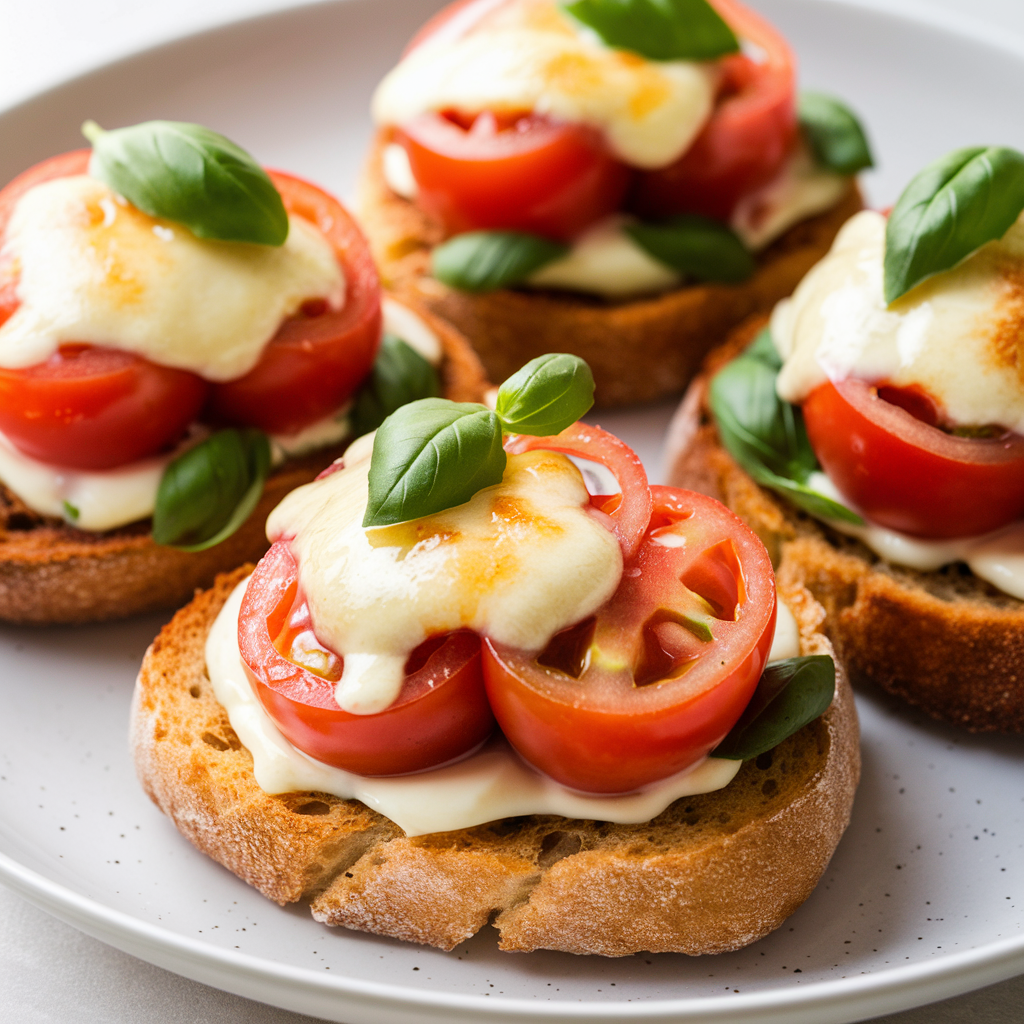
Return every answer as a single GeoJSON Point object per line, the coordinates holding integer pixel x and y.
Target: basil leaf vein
{"type": "Point", "coordinates": [191, 175]}
{"type": "Point", "coordinates": [400, 375]}
{"type": "Point", "coordinates": [546, 395]}
{"type": "Point", "coordinates": [766, 435]}
{"type": "Point", "coordinates": [482, 261]}
{"type": "Point", "coordinates": [948, 211]}
{"type": "Point", "coordinates": [836, 137]}
{"type": "Point", "coordinates": [699, 247]}
{"type": "Point", "coordinates": [207, 493]}
{"type": "Point", "coordinates": [789, 695]}
{"type": "Point", "coordinates": [658, 29]}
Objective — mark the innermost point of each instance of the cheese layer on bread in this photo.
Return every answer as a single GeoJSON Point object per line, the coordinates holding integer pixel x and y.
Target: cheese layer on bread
{"type": "Point", "coordinates": [528, 55]}
{"type": "Point", "coordinates": [89, 267]}
{"type": "Point", "coordinates": [958, 335]}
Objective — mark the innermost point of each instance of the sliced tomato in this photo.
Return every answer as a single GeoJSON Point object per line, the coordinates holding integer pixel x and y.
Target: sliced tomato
{"type": "Point", "coordinates": [453, 21]}
{"type": "Point", "coordinates": [441, 713]}
{"type": "Point", "coordinates": [519, 172]}
{"type": "Point", "coordinates": [319, 357]}
{"type": "Point", "coordinates": [903, 472]}
{"type": "Point", "coordinates": [748, 137]}
{"type": "Point", "coordinates": [657, 678]}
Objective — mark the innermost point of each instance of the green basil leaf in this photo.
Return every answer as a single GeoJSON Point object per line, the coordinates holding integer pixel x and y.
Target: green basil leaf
{"type": "Point", "coordinates": [72, 512]}
{"type": "Point", "coordinates": [699, 247]}
{"type": "Point", "coordinates": [482, 261]}
{"type": "Point", "coordinates": [432, 455]}
{"type": "Point", "coordinates": [547, 395]}
{"type": "Point", "coordinates": [790, 695]}
{"type": "Point", "coordinates": [766, 435]}
{"type": "Point", "coordinates": [658, 29]}
{"type": "Point", "coordinates": [209, 491]}
{"type": "Point", "coordinates": [951, 209]}
{"type": "Point", "coordinates": [834, 134]}
{"type": "Point", "coordinates": [191, 175]}
{"type": "Point", "coordinates": [400, 375]}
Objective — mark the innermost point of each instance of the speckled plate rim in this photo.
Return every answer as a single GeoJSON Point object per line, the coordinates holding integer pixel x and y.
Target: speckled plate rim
{"type": "Point", "coordinates": [294, 988]}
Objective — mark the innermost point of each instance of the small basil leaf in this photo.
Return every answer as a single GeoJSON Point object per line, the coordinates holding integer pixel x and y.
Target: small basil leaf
{"type": "Point", "coordinates": [834, 134]}
{"type": "Point", "coordinates": [209, 491]}
{"type": "Point", "coordinates": [71, 511]}
{"type": "Point", "coordinates": [790, 695]}
{"type": "Point", "coordinates": [951, 209]}
{"type": "Point", "coordinates": [432, 455]}
{"type": "Point", "coordinates": [766, 435]}
{"type": "Point", "coordinates": [400, 375]}
{"type": "Point", "coordinates": [191, 175]}
{"type": "Point", "coordinates": [658, 29]}
{"type": "Point", "coordinates": [547, 395]}
{"type": "Point", "coordinates": [699, 247]}
{"type": "Point", "coordinates": [482, 261]}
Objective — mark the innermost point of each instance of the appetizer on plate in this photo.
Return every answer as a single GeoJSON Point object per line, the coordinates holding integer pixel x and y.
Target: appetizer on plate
{"type": "Point", "coordinates": [184, 338]}
{"type": "Point", "coordinates": [627, 180]}
{"type": "Point", "coordinates": [460, 684]}
{"type": "Point", "coordinates": [872, 436]}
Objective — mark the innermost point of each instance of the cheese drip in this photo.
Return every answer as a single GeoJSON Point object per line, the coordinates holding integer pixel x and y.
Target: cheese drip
{"type": "Point", "coordinates": [958, 335]}
{"type": "Point", "coordinates": [89, 267]}
{"type": "Point", "coordinates": [528, 55]}
{"type": "Point", "coordinates": [517, 563]}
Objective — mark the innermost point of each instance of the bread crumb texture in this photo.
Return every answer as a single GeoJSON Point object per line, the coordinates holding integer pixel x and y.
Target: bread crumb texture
{"type": "Point", "coordinates": [712, 873]}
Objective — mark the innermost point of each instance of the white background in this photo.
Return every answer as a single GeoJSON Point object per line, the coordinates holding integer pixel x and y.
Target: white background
{"type": "Point", "coordinates": [48, 971]}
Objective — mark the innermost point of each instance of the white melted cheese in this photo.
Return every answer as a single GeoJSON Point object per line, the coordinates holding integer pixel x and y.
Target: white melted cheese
{"type": "Point", "coordinates": [957, 335]}
{"type": "Point", "coordinates": [517, 563]}
{"type": "Point", "coordinates": [528, 55]}
{"type": "Point", "coordinates": [491, 784]}
{"type": "Point", "coordinates": [91, 268]}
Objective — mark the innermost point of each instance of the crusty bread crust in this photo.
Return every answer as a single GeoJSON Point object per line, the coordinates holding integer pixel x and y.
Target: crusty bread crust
{"type": "Point", "coordinates": [712, 873]}
{"type": "Point", "coordinates": [947, 642]}
{"type": "Point", "coordinates": [52, 573]}
{"type": "Point", "coordinates": [639, 350]}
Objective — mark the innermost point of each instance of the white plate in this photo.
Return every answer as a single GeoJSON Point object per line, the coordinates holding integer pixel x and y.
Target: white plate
{"type": "Point", "coordinates": [923, 898]}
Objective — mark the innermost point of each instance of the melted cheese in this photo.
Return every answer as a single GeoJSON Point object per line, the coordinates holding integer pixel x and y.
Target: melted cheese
{"type": "Point", "coordinates": [91, 268]}
{"type": "Point", "coordinates": [958, 335]}
{"type": "Point", "coordinates": [492, 784]}
{"type": "Point", "coordinates": [517, 563]}
{"type": "Point", "coordinates": [528, 55]}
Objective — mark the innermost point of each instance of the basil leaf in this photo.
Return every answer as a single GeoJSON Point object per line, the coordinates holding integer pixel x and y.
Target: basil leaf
{"type": "Point", "coordinates": [482, 261]}
{"type": "Point", "coordinates": [547, 395]}
{"type": "Point", "coordinates": [432, 455]}
{"type": "Point", "coordinates": [400, 375]}
{"type": "Point", "coordinates": [191, 175]}
{"type": "Point", "coordinates": [658, 29]}
{"type": "Point", "coordinates": [834, 134]}
{"type": "Point", "coordinates": [209, 491]}
{"type": "Point", "coordinates": [699, 247]}
{"type": "Point", "coordinates": [72, 512]}
{"type": "Point", "coordinates": [766, 435]}
{"type": "Point", "coordinates": [790, 695]}
{"type": "Point", "coordinates": [951, 209]}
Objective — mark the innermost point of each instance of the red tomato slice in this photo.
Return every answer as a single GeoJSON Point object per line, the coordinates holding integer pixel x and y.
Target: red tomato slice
{"type": "Point", "coordinates": [750, 133]}
{"type": "Point", "coordinates": [657, 678]}
{"type": "Point", "coordinates": [523, 173]}
{"type": "Point", "coordinates": [906, 474]}
{"type": "Point", "coordinates": [441, 714]}
{"type": "Point", "coordinates": [453, 21]}
{"type": "Point", "coordinates": [318, 358]}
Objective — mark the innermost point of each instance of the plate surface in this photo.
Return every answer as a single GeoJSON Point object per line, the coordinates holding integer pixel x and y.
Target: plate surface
{"type": "Point", "coordinates": [923, 899]}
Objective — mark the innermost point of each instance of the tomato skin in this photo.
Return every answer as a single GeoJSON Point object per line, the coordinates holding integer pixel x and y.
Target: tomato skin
{"type": "Point", "coordinates": [314, 363]}
{"type": "Point", "coordinates": [601, 733]}
{"type": "Point", "coordinates": [744, 144]}
{"type": "Point", "coordinates": [524, 173]}
{"type": "Point", "coordinates": [441, 714]}
{"type": "Point", "coordinates": [907, 475]}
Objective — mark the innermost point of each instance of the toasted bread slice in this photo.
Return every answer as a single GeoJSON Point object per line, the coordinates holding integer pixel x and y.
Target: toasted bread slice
{"type": "Point", "coordinates": [946, 641]}
{"type": "Point", "coordinates": [712, 873]}
{"type": "Point", "coordinates": [52, 573]}
{"type": "Point", "coordinates": [639, 350]}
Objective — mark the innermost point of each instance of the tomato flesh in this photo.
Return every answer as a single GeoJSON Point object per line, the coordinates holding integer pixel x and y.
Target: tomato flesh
{"type": "Point", "coordinates": [441, 713]}
{"type": "Point", "coordinates": [906, 474]}
{"type": "Point", "coordinates": [665, 669]}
